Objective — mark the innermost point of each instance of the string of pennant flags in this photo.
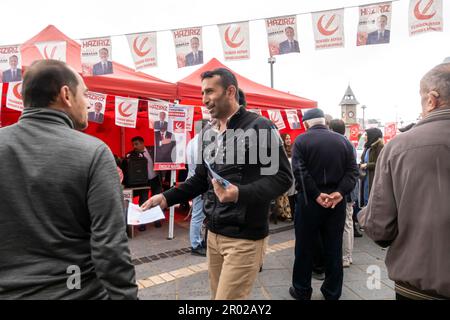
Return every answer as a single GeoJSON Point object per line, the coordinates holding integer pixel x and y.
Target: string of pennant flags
{"type": "Point", "coordinates": [328, 26]}
{"type": "Point", "coordinates": [127, 109]}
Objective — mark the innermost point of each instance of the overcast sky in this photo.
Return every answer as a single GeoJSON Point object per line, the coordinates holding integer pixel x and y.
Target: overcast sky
{"type": "Point", "coordinates": [385, 78]}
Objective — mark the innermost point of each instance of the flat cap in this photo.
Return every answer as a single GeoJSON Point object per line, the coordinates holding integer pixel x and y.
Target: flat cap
{"type": "Point", "coordinates": [313, 114]}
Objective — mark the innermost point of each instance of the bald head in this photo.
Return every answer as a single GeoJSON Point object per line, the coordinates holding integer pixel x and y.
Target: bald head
{"type": "Point", "coordinates": [435, 88]}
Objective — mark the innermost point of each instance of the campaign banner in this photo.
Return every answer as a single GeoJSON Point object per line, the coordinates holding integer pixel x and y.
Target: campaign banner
{"type": "Point", "coordinates": [374, 24]}
{"type": "Point", "coordinates": [126, 112]}
{"type": "Point", "coordinates": [205, 114]}
{"type": "Point", "coordinates": [235, 40]}
{"type": "Point", "coordinates": [354, 133]}
{"type": "Point", "coordinates": [96, 56]}
{"type": "Point", "coordinates": [425, 16]}
{"type": "Point", "coordinates": [390, 131]}
{"type": "Point", "coordinates": [277, 119]}
{"type": "Point", "coordinates": [328, 29]}
{"type": "Point", "coordinates": [282, 35]}
{"type": "Point", "coordinates": [97, 106]}
{"type": "Point", "coordinates": [143, 49]}
{"type": "Point", "coordinates": [293, 119]}
{"type": "Point", "coordinates": [188, 46]}
{"type": "Point", "coordinates": [157, 114]}
{"type": "Point", "coordinates": [14, 96]}
{"type": "Point", "coordinates": [170, 141]}
{"type": "Point", "coordinates": [10, 64]}
{"type": "Point", "coordinates": [257, 111]}
{"type": "Point", "coordinates": [53, 50]}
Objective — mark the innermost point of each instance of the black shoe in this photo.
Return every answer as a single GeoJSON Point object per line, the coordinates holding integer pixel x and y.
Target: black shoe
{"type": "Point", "coordinates": [142, 228]}
{"type": "Point", "coordinates": [318, 276]}
{"type": "Point", "coordinates": [294, 294]}
{"type": "Point", "coordinates": [158, 224]}
{"type": "Point", "coordinates": [261, 269]}
{"type": "Point", "coordinates": [356, 232]}
{"type": "Point", "coordinates": [199, 251]}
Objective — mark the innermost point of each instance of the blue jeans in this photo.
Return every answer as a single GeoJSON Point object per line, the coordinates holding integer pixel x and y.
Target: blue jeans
{"type": "Point", "coordinates": [196, 222]}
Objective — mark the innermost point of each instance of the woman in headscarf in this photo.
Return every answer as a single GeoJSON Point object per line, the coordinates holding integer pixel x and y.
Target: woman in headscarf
{"type": "Point", "coordinates": [372, 148]}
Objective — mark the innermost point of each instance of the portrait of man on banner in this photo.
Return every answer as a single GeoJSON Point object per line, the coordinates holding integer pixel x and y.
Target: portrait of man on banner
{"type": "Point", "coordinates": [381, 35]}
{"type": "Point", "coordinates": [165, 143]}
{"type": "Point", "coordinates": [290, 45]}
{"type": "Point", "coordinates": [14, 73]}
{"type": "Point", "coordinates": [195, 57]}
{"type": "Point", "coordinates": [104, 66]}
{"type": "Point", "coordinates": [97, 115]}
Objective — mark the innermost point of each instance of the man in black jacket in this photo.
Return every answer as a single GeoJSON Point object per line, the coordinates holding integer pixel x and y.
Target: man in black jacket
{"type": "Point", "coordinates": [153, 178]}
{"type": "Point", "coordinates": [325, 171]}
{"type": "Point", "coordinates": [238, 214]}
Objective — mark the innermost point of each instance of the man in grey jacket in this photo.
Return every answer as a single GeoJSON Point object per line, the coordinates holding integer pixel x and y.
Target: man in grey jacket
{"type": "Point", "coordinates": [62, 227]}
{"type": "Point", "coordinates": [409, 207]}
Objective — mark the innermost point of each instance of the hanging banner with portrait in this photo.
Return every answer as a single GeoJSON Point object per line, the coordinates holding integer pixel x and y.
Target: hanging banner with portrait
{"type": "Point", "coordinates": [170, 139]}
{"type": "Point", "coordinates": [10, 64]}
{"type": "Point", "coordinates": [97, 106]}
{"type": "Point", "coordinates": [282, 35]}
{"type": "Point", "coordinates": [374, 25]}
{"type": "Point", "coordinates": [188, 46]}
{"type": "Point", "coordinates": [96, 56]}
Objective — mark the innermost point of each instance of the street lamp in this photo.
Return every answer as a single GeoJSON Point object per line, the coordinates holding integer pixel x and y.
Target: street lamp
{"type": "Point", "coordinates": [364, 116]}
{"type": "Point", "coordinates": [272, 61]}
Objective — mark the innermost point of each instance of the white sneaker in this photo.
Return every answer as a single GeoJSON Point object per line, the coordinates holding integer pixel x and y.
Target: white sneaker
{"type": "Point", "coordinates": [346, 264]}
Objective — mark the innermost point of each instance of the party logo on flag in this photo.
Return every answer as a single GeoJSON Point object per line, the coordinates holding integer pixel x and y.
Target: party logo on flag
{"type": "Point", "coordinates": [14, 96]}
{"type": "Point", "coordinates": [374, 24]}
{"type": "Point", "coordinates": [53, 50]}
{"type": "Point", "coordinates": [425, 16]}
{"type": "Point", "coordinates": [235, 40]}
{"type": "Point", "coordinates": [10, 64]}
{"type": "Point", "coordinates": [277, 119]}
{"type": "Point", "coordinates": [96, 56]}
{"type": "Point", "coordinates": [282, 35]}
{"type": "Point", "coordinates": [143, 49]}
{"type": "Point", "coordinates": [126, 112]}
{"type": "Point", "coordinates": [188, 46]}
{"type": "Point", "coordinates": [179, 126]}
{"type": "Point", "coordinates": [329, 29]}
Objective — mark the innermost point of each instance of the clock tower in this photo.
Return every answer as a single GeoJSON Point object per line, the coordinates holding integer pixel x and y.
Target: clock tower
{"type": "Point", "coordinates": [348, 107]}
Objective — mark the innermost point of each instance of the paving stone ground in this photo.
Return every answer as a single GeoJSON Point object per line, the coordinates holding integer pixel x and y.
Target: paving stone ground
{"type": "Point", "coordinates": [178, 275]}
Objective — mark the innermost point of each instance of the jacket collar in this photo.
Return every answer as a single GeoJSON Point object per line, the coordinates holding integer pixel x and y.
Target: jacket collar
{"type": "Point", "coordinates": [47, 115]}
{"type": "Point", "coordinates": [437, 115]}
{"type": "Point", "coordinates": [319, 127]}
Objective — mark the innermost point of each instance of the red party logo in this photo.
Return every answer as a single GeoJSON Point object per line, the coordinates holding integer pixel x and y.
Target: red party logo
{"type": "Point", "coordinates": [422, 15]}
{"type": "Point", "coordinates": [325, 29]}
{"type": "Point", "coordinates": [122, 110]}
{"type": "Point", "coordinates": [138, 47]}
{"type": "Point", "coordinates": [231, 42]}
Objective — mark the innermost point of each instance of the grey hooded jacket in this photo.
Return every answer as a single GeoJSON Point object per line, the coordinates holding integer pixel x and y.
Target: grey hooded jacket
{"type": "Point", "coordinates": [61, 212]}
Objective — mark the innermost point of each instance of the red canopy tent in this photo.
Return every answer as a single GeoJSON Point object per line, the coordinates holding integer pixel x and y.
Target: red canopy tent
{"type": "Point", "coordinates": [258, 96]}
{"type": "Point", "coordinates": [124, 82]}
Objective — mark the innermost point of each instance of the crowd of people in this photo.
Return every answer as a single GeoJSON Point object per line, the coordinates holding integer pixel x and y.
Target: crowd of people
{"type": "Point", "coordinates": [52, 224]}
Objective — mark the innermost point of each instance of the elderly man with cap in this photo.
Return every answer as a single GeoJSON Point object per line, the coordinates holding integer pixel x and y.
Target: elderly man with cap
{"type": "Point", "coordinates": [325, 171]}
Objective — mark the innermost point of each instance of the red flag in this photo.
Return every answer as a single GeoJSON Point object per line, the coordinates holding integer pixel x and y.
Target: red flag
{"type": "Point", "coordinates": [390, 131]}
{"type": "Point", "coordinates": [354, 133]}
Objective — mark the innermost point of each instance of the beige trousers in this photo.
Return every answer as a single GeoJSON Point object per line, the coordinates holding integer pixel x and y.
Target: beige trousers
{"type": "Point", "coordinates": [233, 266]}
{"type": "Point", "coordinates": [348, 235]}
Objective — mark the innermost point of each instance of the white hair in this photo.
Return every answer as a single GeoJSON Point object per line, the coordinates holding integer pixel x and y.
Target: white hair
{"type": "Point", "coordinates": [317, 121]}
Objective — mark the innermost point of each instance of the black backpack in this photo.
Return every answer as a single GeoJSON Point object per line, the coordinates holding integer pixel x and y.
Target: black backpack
{"type": "Point", "coordinates": [135, 173]}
